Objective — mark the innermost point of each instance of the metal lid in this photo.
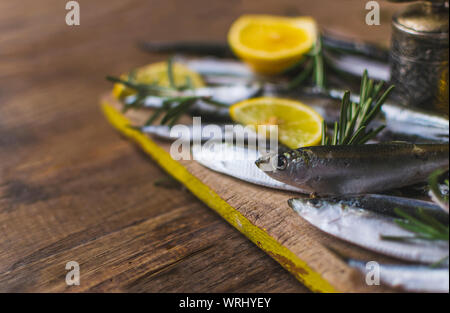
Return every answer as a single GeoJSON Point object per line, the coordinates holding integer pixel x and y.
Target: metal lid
{"type": "Point", "coordinates": [424, 18]}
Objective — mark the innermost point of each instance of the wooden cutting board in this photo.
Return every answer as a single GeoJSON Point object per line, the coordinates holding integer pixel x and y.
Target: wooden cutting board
{"type": "Point", "coordinates": [260, 213]}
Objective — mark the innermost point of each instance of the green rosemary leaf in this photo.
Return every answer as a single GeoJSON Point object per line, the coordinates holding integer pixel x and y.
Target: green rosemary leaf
{"type": "Point", "coordinates": [351, 127]}
{"type": "Point", "coordinates": [165, 106]}
{"type": "Point", "coordinates": [335, 137]}
{"type": "Point", "coordinates": [432, 222]}
{"type": "Point", "coordinates": [372, 134]}
{"type": "Point", "coordinates": [343, 116]}
{"type": "Point", "coordinates": [420, 227]}
{"type": "Point", "coordinates": [365, 108]}
{"type": "Point", "coordinates": [398, 238]}
{"type": "Point", "coordinates": [377, 89]}
{"type": "Point", "coordinates": [301, 77]}
{"type": "Point", "coordinates": [142, 89]}
{"type": "Point", "coordinates": [170, 73]}
{"type": "Point", "coordinates": [318, 66]}
{"type": "Point", "coordinates": [296, 65]}
{"type": "Point", "coordinates": [313, 62]}
{"type": "Point", "coordinates": [324, 132]}
{"type": "Point", "coordinates": [418, 230]}
{"type": "Point", "coordinates": [376, 109]}
{"type": "Point", "coordinates": [175, 119]}
{"type": "Point", "coordinates": [362, 91]}
{"type": "Point", "coordinates": [355, 118]}
{"type": "Point", "coordinates": [184, 104]}
{"type": "Point", "coordinates": [369, 90]}
{"type": "Point", "coordinates": [357, 135]}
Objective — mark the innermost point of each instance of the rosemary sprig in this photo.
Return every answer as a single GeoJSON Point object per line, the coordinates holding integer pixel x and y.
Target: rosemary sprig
{"type": "Point", "coordinates": [423, 226]}
{"type": "Point", "coordinates": [312, 64]}
{"type": "Point", "coordinates": [352, 127]}
{"type": "Point", "coordinates": [175, 101]}
{"type": "Point", "coordinates": [170, 73]}
{"type": "Point", "coordinates": [319, 72]}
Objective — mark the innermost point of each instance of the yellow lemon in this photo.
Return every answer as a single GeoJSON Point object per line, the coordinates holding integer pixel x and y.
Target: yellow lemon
{"type": "Point", "coordinates": [298, 124]}
{"type": "Point", "coordinates": [157, 73]}
{"type": "Point", "coordinates": [271, 44]}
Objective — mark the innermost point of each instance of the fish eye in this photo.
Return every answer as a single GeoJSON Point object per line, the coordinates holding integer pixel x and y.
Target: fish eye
{"type": "Point", "coordinates": [282, 162]}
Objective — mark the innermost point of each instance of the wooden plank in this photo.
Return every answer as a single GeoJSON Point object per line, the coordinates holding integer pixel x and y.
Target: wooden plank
{"type": "Point", "coordinates": [259, 213]}
{"type": "Point", "coordinates": [65, 193]}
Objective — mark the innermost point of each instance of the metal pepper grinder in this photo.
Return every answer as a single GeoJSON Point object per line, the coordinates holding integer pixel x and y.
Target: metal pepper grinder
{"type": "Point", "coordinates": [419, 55]}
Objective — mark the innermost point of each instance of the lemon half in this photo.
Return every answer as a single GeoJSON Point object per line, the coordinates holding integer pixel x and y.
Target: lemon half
{"type": "Point", "coordinates": [298, 124]}
{"type": "Point", "coordinates": [271, 44]}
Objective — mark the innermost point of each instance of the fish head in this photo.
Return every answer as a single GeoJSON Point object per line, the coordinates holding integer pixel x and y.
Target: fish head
{"type": "Point", "coordinates": [286, 167]}
{"type": "Point", "coordinates": [304, 204]}
{"type": "Point", "coordinates": [314, 210]}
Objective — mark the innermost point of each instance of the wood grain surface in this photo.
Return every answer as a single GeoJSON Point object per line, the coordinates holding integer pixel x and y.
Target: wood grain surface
{"type": "Point", "coordinates": [72, 190]}
{"type": "Point", "coordinates": [262, 214]}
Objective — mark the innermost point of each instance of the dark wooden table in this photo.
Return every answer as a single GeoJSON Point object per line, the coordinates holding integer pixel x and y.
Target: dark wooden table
{"type": "Point", "coordinates": [72, 190]}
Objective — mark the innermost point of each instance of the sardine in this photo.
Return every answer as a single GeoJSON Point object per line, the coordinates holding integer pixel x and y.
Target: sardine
{"type": "Point", "coordinates": [356, 65]}
{"type": "Point", "coordinates": [414, 278]}
{"type": "Point", "coordinates": [402, 123]}
{"type": "Point", "coordinates": [340, 170]}
{"type": "Point", "coordinates": [202, 133]}
{"type": "Point", "coordinates": [366, 228]}
{"type": "Point", "coordinates": [385, 205]}
{"type": "Point", "coordinates": [210, 66]}
{"type": "Point", "coordinates": [236, 161]}
{"type": "Point", "coordinates": [351, 46]}
{"type": "Point", "coordinates": [223, 94]}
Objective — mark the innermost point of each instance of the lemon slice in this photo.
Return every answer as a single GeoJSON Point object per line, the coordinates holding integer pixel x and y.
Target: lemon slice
{"type": "Point", "coordinates": [271, 44]}
{"type": "Point", "coordinates": [298, 124]}
{"type": "Point", "coordinates": [157, 73]}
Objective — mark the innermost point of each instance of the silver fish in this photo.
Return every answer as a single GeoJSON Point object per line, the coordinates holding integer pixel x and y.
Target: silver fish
{"type": "Point", "coordinates": [340, 170]}
{"type": "Point", "coordinates": [385, 204]}
{"type": "Point", "coordinates": [208, 132]}
{"type": "Point", "coordinates": [236, 161]}
{"type": "Point", "coordinates": [365, 228]}
{"type": "Point", "coordinates": [355, 65]}
{"type": "Point", "coordinates": [223, 94]}
{"type": "Point", "coordinates": [414, 278]}
{"type": "Point", "coordinates": [211, 66]}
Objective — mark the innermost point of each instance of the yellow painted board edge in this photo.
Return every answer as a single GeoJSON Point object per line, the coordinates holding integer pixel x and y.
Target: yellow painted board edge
{"type": "Point", "coordinates": [299, 268]}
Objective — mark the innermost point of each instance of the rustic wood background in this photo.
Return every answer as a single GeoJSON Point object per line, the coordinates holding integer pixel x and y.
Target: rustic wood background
{"type": "Point", "coordinates": [72, 190]}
